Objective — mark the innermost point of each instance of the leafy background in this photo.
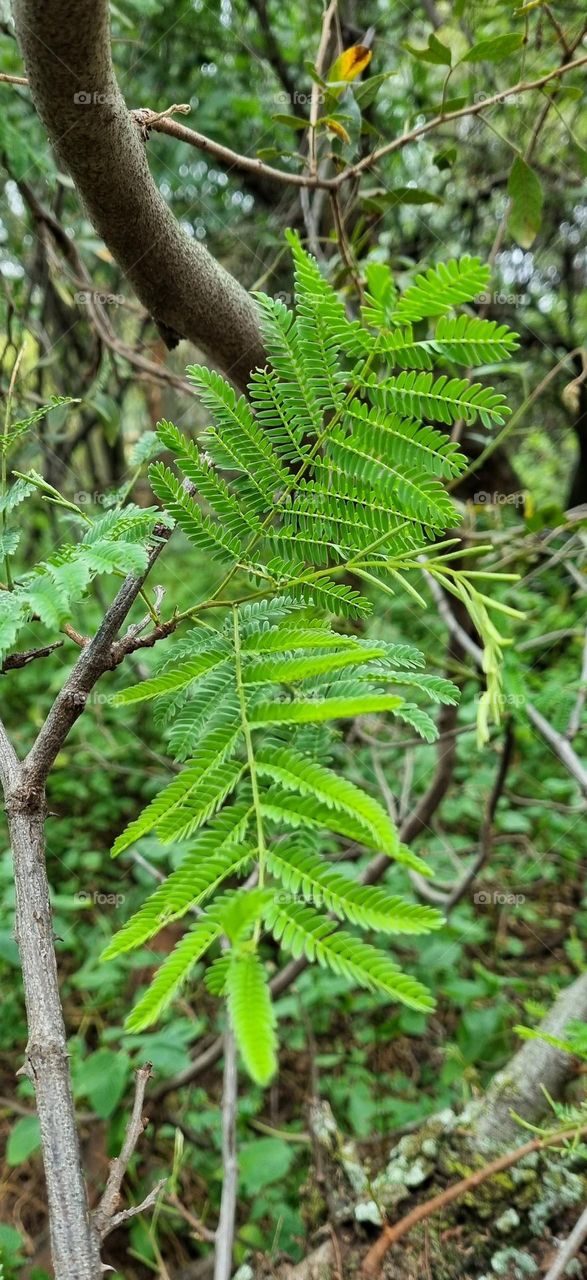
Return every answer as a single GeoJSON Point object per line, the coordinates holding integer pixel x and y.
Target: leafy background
{"type": "Point", "coordinates": [496, 964]}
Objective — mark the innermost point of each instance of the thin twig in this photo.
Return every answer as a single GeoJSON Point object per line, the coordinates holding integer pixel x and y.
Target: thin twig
{"type": "Point", "coordinates": [16, 660]}
{"type": "Point", "coordinates": [105, 1213]}
{"type": "Point", "coordinates": [226, 1221]}
{"type": "Point", "coordinates": [161, 123]}
{"type": "Point", "coordinates": [577, 713]}
{"type": "Point", "coordinates": [569, 1249]}
{"type": "Point", "coordinates": [134, 1209]}
{"type": "Point", "coordinates": [95, 659]}
{"type": "Point", "coordinates": [391, 1234]}
{"type": "Point", "coordinates": [315, 98]}
{"type": "Point", "coordinates": [486, 834]}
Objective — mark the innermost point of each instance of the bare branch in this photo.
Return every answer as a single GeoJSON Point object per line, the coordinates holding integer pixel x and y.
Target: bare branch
{"type": "Point", "coordinates": [560, 745]}
{"type": "Point", "coordinates": [160, 122]}
{"type": "Point", "coordinates": [15, 661]}
{"type": "Point", "coordinates": [104, 1215]}
{"type": "Point", "coordinates": [486, 834]}
{"type": "Point", "coordinates": [134, 1209]}
{"type": "Point", "coordinates": [569, 1249]}
{"type": "Point", "coordinates": [577, 713]}
{"type": "Point", "coordinates": [226, 1221]}
{"type": "Point", "coordinates": [247, 164]}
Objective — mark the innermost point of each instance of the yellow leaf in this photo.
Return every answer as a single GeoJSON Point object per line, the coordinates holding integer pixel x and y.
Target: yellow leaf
{"type": "Point", "coordinates": [337, 128]}
{"type": "Point", "coordinates": [350, 64]}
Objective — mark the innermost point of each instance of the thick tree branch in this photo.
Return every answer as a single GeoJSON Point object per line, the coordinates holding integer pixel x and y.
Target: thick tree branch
{"type": "Point", "coordinates": [67, 54]}
{"type": "Point", "coordinates": [537, 1069]}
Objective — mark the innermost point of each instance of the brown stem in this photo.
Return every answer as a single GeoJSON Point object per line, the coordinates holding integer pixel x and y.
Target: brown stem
{"type": "Point", "coordinates": [104, 1215]}
{"type": "Point", "coordinates": [67, 54]}
{"type": "Point", "coordinates": [392, 1234]}
{"type": "Point", "coordinates": [74, 1243]}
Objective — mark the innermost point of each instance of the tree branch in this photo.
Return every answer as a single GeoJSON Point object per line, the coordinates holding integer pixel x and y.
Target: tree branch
{"type": "Point", "coordinates": [161, 122]}
{"type": "Point", "coordinates": [15, 661]}
{"type": "Point", "coordinates": [226, 1221]}
{"type": "Point", "coordinates": [9, 762]}
{"type": "Point", "coordinates": [569, 1249]}
{"type": "Point", "coordinates": [105, 1217]}
{"type": "Point", "coordinates": [69, 64]}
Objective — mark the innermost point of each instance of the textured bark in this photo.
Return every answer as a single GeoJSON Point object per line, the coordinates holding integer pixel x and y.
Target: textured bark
{"type": "Point", "coordinates": [74, 1243]}
{"type": "Point", "coordinates": [74, 1240]}
{"type": "Point", "coordinates": [66, 48]}
{"type": "Point", "coordinates": [537, 1066]}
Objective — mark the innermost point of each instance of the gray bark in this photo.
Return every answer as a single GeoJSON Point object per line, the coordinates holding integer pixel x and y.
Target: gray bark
{"type": "Point", "coordinates": [74, 1243]}
{"type": "Point", "coordinates": [536, 1066]}
{"type": "Point", "coordinates": [74, 1240]}
{"type": "Point", "coordinates": [226, 1221]}
{"type": "Point", "coordinates": [66, 48]}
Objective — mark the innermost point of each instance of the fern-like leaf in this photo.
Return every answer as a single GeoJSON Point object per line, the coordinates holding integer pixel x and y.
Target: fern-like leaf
{"type": "Point", "coordinates": [175, 807]}
{"type": "Point", "coordinates": [295, 772]}
{"type": "Point", "coordinates": [366, 905]}
{"type": "Point", "coordinates": [302, 931]}
{"type": "Point", "coordinates": [252, 1014]}
{"type": "Point", "coordinates": [440, 288]}
{"type": "Point", "coordinates": [215, 854]}
{"type": "Point", "coordinates": [172, 974]}
{"type": "Point", "coordinates": [312, 711]}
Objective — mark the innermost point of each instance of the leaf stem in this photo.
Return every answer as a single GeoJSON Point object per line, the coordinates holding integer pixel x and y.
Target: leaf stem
{"type": "Point", "coordinates": [246, 728]}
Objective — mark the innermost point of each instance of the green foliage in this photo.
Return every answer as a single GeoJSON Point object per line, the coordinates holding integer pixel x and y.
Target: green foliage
{"type": "Point", "coordinates": [115, 543]}
{"type": "Point", "coordinates": [324, 468]}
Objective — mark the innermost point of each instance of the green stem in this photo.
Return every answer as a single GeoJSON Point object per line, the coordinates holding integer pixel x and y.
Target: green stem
{"type": "Point", "coordinates": [250, 759]}
{"type": "Point", "coordinates": [293, 483]}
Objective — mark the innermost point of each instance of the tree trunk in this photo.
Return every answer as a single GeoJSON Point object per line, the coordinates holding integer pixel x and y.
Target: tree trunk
{"type": "Point", "coordinates": [536, 1067]}
{"type": "Point", "coordinates": [75, 1247]}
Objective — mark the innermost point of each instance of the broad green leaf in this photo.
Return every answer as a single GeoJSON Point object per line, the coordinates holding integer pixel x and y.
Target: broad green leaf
{"type": "Point", "coordinates": [494, 49]}
{"type": "Point", "coordinates": [435, 52]}
{"type": "Point", "coordinates": [527, 197]}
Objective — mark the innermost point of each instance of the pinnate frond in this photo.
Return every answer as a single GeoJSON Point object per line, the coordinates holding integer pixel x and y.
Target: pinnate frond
{"type": "Point", "coordinates": [302, 931]}
{"type": "Point", "coordinates": [252, 1015]}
